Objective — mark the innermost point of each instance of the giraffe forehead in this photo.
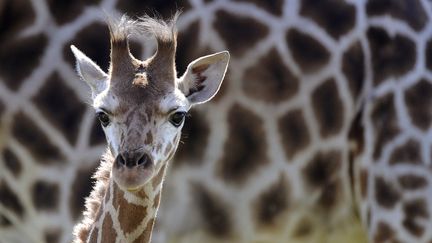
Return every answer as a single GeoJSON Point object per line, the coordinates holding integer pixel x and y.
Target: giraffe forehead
{"type": "Point", "coordinates": [155, 106]}
{"type": "Point", "coordinates": [125, 104]}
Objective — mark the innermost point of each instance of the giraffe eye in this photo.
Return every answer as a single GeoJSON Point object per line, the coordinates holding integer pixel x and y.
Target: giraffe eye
{"type": "Point", "coordinates": [177, 118]}
{"type": "Point", "coordinates": [103, 118]}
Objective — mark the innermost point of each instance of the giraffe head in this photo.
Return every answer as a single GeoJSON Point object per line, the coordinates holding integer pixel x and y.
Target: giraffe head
{"type": "Point", "coordinates": [141, 105]}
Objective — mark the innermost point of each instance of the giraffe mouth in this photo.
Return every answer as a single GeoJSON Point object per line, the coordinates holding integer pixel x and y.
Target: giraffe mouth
{"type": "Point", "coordinates": [132, 178]}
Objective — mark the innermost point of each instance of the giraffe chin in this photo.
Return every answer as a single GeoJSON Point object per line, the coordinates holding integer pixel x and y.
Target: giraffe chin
{"type": "Point", "coordinates": [132, 179]}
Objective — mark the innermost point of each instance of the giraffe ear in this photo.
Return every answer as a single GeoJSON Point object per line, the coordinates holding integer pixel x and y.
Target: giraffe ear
{"type": "Point", "coordinates": [90, 72]}
{"type": "Point", "coordinates": [203, 77]}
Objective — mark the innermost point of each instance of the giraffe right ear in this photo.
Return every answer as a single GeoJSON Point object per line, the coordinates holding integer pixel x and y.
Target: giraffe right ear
{"type": "Point", "coordinates": [203, 77]}
{"type": "Point", "coordinates": [90, 72]}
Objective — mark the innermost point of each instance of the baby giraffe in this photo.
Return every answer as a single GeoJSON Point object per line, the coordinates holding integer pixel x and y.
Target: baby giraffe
{"type": "Point", "coordinates": [141, 106]}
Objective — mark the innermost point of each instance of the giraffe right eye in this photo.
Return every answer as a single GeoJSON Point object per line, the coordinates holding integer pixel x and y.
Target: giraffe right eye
{"type": "Point", "coordinates": [177, 118]}
{"type": "Point", "coordinates": [103, 118]}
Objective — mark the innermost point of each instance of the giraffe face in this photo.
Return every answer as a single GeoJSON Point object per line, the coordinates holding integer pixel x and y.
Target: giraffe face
{"type": "Point", "coordinates": [142, 112]}
{"type": "Point", "coordinates": [142, 131]}
{"type": "Point", "coordinates": [141, 104]}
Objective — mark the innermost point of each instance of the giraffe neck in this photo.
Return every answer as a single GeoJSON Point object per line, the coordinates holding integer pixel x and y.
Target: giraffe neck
{"type": "Point", "coordinates": [127, 216]}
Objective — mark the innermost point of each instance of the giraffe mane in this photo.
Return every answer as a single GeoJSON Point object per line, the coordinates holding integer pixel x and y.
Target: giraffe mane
{"type": "Point", "coordinates": [165, 32]}
{"type": "Point", "coordinates": [94, 201]}
{"type": "Point", "coordinates": [120, 29]}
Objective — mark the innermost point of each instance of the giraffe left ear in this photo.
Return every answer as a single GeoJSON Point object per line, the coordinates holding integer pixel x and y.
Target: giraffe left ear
{"type": "Point", "coordinates": [90, 72]}
{"type": "Point", "coordinates": [203, 77]}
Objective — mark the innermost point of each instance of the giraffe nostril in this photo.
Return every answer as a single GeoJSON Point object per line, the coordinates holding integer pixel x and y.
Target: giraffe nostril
{"type": "Point", "coordinates": [144, 160]}
{"type": "Point", "coordinates": [133, 159]}
{"type": "Point", "coordinates": [121, 160]}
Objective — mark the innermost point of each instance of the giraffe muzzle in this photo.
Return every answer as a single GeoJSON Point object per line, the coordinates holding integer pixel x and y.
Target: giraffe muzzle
{"type": "Point", "coordinates": [132, 170]}
{"type": "Point", "coordinates": [133, 159]}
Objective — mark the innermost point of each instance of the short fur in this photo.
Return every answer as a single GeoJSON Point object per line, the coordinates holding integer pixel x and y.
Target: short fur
{"type": "Point", "coordinates": [121, 58]}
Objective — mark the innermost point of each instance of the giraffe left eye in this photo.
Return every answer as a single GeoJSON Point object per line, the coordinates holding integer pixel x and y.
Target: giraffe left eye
{"type": "Point", "coordinates": [103, 118]}
{"type": "Point", "coordinates": [177, 118]}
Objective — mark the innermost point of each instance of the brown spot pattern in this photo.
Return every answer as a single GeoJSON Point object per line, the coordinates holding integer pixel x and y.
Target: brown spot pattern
{"type": "Point", "coordinates": [12, 162]}
{"type": "Point", "coordinates": [309, 53]}
{"type": "Point", "coordinates": [408, 153]}
{"type": "Point", "coordinates": [413, 210]}
{"type": "Point", "coordinates": [330, 193]}
{"type": "Point", "coordinates": [384, 121]}
{"type": "Point", "coordinates": [9, 200]}
{"type": "Point", "coordinates": [94, 235]}
{"type": "Point", "coordinates": [130, 215]}
{"type": "Point", "coordinates": [272, 202]}
{"type": "Point", "coordinates": [5, 222]}
{"type": "Point", "coordinates": [53, 236]}
{"type": "Point", "coordinates": [195, 134]}
{"type": "Point", "coordinates": [294, 133]}
{"type": "Point", "coordinates": [61, 106]}
{"type": "Point", "coordinates": [97, 135]}
{"type": "Point", "coordinates": [239, 33]}
{"type": "Point", "coordinates": [270, 79]}
{"type": "Point", "coordinates": [24, 53]}
{"type": "Point", "coordinates": [384, 233]}
{"type": "Point", "coordinates": [45, 195]}
{"type": "Point", "coordinates": [336, 17]}
{"type": "Point", "coordinates": [15, 15]}
{"type": "Point", "coordinates": [146, 235]}
{"type": "Point", "coordinates": [108, 232]}
{"type": "Point", "coordinates": [418, 99]}
{"type": "Point", "coordinates": [93, 40]}
{"type": "Point", "coordinates": [246, 134]}
{"type": "Point", "coordinates": [412, 182]}
{"type": "Point", "coordinates": [322, 168]}
{"type": "Point", "coordinates": [410, 11]}
{"type": "Point", "coordinates": [80, 189]}
{"type": "Point", "coordinates": [429, 54]}
{"type": "Point", "coordinates": [391, 56]}
{"type": "Point", "coordinates": [353, 66]}
{"type": "Point", "coordinates": [216, 218]}
{"type": "Point", "coordinates": [149, 138]}
{"type": "Point", "coordinates": [328, 108]}
{"type": "Point", "coordinates": [386, 195]}
{"type": "Point", "coordinates": [188, 48]}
